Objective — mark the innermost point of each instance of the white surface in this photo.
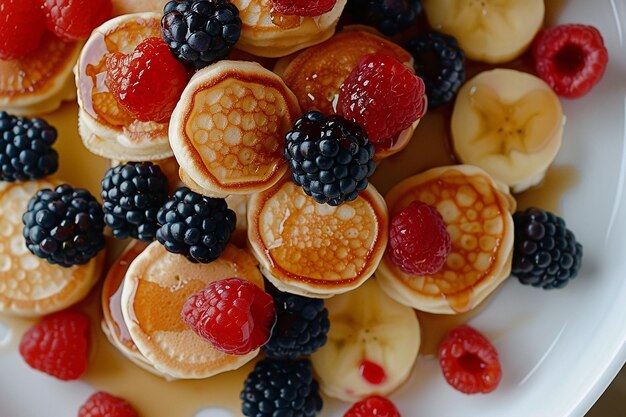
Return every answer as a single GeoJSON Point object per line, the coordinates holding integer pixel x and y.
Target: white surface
{"type": "Point", "coordinates": [559, 349]}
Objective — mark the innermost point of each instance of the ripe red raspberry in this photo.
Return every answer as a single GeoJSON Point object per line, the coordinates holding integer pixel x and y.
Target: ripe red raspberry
{"type": "Point", "coordinates": [570, 58]}
{"type": "Point", "coordinates": [233, 314]}
{"type": "Point", "coordinates": [72, 20]}
{"type": "Point", "coordinates": [374, 406]}
{"type": "Point", "coordinates": [419, 243]}
{"type": "Point", "coordinates": [21, 24]}
{"type": "Point", "coordinates": [148, 82]}
{"type": "Point", "coordinates": [303, 7]}
{"type": "Point", "coordinates": [58, 345]}
{"type": "Point", "coordinates": [469, 362]}
{"type": "Point", "coordinates": [383, 96]}
{"type": "Point", "coordinates": [102, 404]}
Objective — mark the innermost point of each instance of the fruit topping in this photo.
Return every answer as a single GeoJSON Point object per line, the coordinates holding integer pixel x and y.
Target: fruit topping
{"type": "Point", "coordinates": [388, 16]}
{"type": "Point", "coordinates": [303, 7]}
{"type": "Point", "coordinates": [281, 388]}
{"type": "Point", "coordinates": [546, 253]}
{"type": "Point", "coordinates": [64, 226]}
{"type": "Point", "coordinates": [570, 58]}
{"type": "Point", "coordinates": [233, 314]}
{"type": "Point", "coordinates": [196, 226]}
{"type": "Point", "coordinates": [132, 195]}
{"type": "Point", "coordinates": [419, 243]}
{"type": "Point", "coordinates": [73, 20]}
{"type": "Point", "coordinates": [440, 63]}
{"type": "Point", "coordinates": [469, 362]}
{"type": "Point", "coordinates": [383, 96]}
{"type": "Point", "coordinates": [301, 326]}
{"type": "Point", "coordinates": [201, 32]}
{"type": "Point", "coordinates": [26, 151]}
{"type": "Point", "coordinates": [374, 406]}
{"type": "Point", "coordinates": [148, 82]}
{"type": "Point", "coordinates": [22, 25]}
{"type": "Point", "coordinates": [103, 404]}
{"type": "Point", "coordinates": [330, 157]}
{"type": "Point", "coordinates": [372, 372]}
{"type": "Point", "coordinates": [58, 345]}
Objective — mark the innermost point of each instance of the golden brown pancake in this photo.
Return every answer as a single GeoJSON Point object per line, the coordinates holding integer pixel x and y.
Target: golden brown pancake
{"type": "Point", "coordinates": [121, 7]}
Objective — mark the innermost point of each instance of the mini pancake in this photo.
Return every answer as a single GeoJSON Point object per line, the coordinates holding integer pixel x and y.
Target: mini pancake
{"type": "Point", "coordinates": [267, 33]}
{"type": "Point", "coordinates": [40, 81]}
{"type": "Point", "coordinates": [155, 289]}
{"type": "Point", "coordinates": [227, 131]}
{"type": "Point", "coordinates": [121, 7]}
{"type": "Point", "coordinates": [477, 213]}
{"type": "Point", "coordinates": [312, 249]}
{"type": "Point", "coordinates": [106, 128]}
{"type": "Point", "coordinates": [30, 286]}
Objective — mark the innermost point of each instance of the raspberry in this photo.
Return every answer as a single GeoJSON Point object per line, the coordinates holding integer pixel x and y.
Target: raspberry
{"type": "Point", "coordinates": [469, 362]}
{"type": "Point", "coordinates": [58, 345]}
{"type": "Point", "coordinates": [570, 58]}
{"type": "Point", "coordinates": [148, 82]}
{"type": "Point", "coordinates": [22, 25]}
{"type": "Point", "coordinates": [303, 7]}
{"type": "Point", "coordinates": [419, 243]}
{"type": "Point", "coordinates": [383, 96]}
{"type": "Point", "coordinates": [72, 20]}
{"type": "Point", "coordinates": [102, 404]}
{"type": "Point", "coordinates": [233, 314]}
{"type": "Point", "coordinates": [374, 406]}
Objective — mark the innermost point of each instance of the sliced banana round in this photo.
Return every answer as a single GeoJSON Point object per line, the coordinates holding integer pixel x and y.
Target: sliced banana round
{"type": "Point", "coordinates": [372, 345]}
{"type": "Point", "coordinates": [491, 31]}
{"type": "Point", "coordinates": [509, 123]}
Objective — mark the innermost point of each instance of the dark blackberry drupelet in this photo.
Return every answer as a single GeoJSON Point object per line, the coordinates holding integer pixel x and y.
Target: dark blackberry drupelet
{"type": "Point", "coordinates": [301, 325]}
{"type": "Point", "coordinates": [200, 32]}
{"type": "Point", "coordinates": [330, 157]}
{"type": "Point", "coordinates": [26, 151]}
{"type": "Point", "coordinates": [281, 388]}
{"type": "Point", "coordinates": [196, 226]}
{"type": "Point", "coordinates": [132, 195]}
{"type": "Point", "coordinates": [388, 16]}
{"type": "Point", "coordinates": [440, 63]}
{"type": "Point", "coordinates": [546, 253]}
{"type": "Point", "coordinates": [64, 226]}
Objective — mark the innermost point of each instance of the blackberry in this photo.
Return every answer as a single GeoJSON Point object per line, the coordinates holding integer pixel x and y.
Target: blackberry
{"type": "Point", "coordinates": [132, 195]}
{"type": "Point", "coordinates": [281, 388]}
{"type": "Point", "coordinates": [440, 63]}
{"type": "Point", "coordinates": [200, 32]}
{"type": "Point", "coordinates": [64, 226]}
{"type": "Point", "coordinates": [26, 148]}
{"type": "Point", "coordinates": [301, 326]}
{"type": "Point", "coordinates": [330, 157]}
{"type": "Point", "coordinates": [196, 226]}
{"type": "Point", "coordinates": [388, 16]}
{"type": "Point", "coordinates": [545, 253]}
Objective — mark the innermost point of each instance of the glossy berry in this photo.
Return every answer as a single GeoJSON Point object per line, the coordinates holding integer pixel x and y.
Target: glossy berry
{"type": "Point", "coordinates": [22, 24]}
{"type": "Point", "coordinates": [546, 253]}
{"type": "Point", "coordinates": [233, 314]}
{"type": "Point", "coordinates": [195, 226]}
{"type": "Point", "coordinates": [64, 226]}
{"type": "Point", "coordinates": [388, 16]}
{"type": "Point", "coordinates": [148, 82]}
{"type": "Point", "coordinates": [571, 58]}
{"type": "Point", "coordinates": [58, 345]}
{"type": "Point", "coordinates": [303, 7]}
{"type": "Point", "coordinates": [26, 151]}
{"type": "Point", "coordinates": [102, 404]}
{"type": "Point", "coordinates": [440, 63]}
{"type": "Point", "coordinates": [201, 32]}
{"type": "Point", "coordinates": [419, 243]}
{"type": "Point", "coordinates": [73, 20]}
{"type": "Point", "coordinates": [383, 96]}
{"type": "Point", "coordinates": [281, 388]}
{"type": "Point", "coordinates": [469, 362]}
{"type": "Point", "coordinates": [132, 194]}
{"type": "Point", "coordinates": [330, 157]}
{"type": "Point", "coordinates": [374, 406]}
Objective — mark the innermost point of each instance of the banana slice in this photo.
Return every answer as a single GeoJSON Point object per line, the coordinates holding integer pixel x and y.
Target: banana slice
{"type": "Point", "coordinates": [510, 124]}
{"type": "Point", "coordinates": [491, 31]}
{"type": "Point", "coordinates": [372, 344]}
